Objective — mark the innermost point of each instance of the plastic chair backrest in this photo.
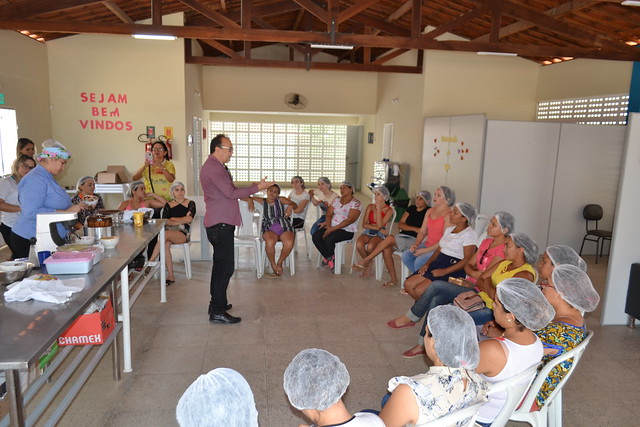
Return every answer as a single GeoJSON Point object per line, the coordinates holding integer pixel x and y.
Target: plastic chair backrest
{"type": "Point", "coordinates": [454, 417]}
{"type": "Point", "coordinates": [516, 388]}
{"type": "Point", "coordinates": [575, 353]}
{"type": "Point", "coordinates": [247, 229]}
{"type": "Point", "coordinates": [482, 221]}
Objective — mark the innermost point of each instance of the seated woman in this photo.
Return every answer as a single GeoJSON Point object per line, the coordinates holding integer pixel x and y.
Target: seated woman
{"type": "Point", "coordinates": [409, 226]}
{"type": "Point", "coordinates": [487, 257]}
{"type": "Point", "coordinates": [323, 197]}
{"type": "Point", "coordinates": [301, 198]}
{"type": "Point", "coordinates": [375, 222]}
{"type": "Point", "coordinates": [556, 255]}
{"type": "Point", "coordinates": [454, 250]}
{"type": "Point", "coordinates": [221, 397]}
{"type": "Point", "coordinates": [138, 198]}
{"type": "Point", "coordinates": [315, 382]}
{"type": "Point", "coordinates": [435, 222]}
{"type": "Point", "coordinates": [86, 186]}
{"type": "Point", "coordinates": [520, 309]}
{"type": "Point", "coordinates": [179, 213]}
{"type": "Point", "coordinates": [340, 224]}
{"type": "Point", "coordinates": [9, 204]}
{"type": "Point", "coordinates": [276, 227]}
{"type": "Point", "coordinates": [38, 193]}
{"type": "Point", "coordinates": [450, 384]}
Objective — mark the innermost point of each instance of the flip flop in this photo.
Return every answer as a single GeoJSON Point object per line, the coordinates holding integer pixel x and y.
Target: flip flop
{"type": "Point", "coordinates": [389, 284]}
{"type": "Point", "coordinates": [272, 275]}
{"type": "Point", "coordinates": [358, 267]}
{"type": "Point", "coordinates": [170, 282]}
{"type": "Point", "coordinates": [393, 325]}
{"type": "Point", "coordinates": [403, 292]}
{"type": "Point", "coordinates": [410, 354]}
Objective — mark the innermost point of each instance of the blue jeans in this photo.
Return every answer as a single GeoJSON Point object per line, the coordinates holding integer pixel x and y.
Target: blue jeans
{"type": "Point", "coordinates": [316, 225]}
{"type": "Point", "coordinates": [221, 237]}
{"type": "Point", "coordinates": [415, 262]}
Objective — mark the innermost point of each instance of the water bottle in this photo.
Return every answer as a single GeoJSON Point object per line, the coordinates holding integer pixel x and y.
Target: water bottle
{"type": "Point", "coordinates": [33, 255]}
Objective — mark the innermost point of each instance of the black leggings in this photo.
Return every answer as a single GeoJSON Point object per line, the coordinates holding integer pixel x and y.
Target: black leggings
{"type": "Point", "coordinates": [5, 230]}
{"type": "Point", "coordinates": [327, 246]}
{"type": "Point", "coordinates": [20, 245]}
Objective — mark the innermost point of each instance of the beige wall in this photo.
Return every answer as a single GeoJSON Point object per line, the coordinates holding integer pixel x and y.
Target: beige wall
{"type": "Point", "coordinates": [583, 78]}
{"type": "Point", "coordinates": [193, 108]}
{"type": "Point", "coordinates": [24, 80]}
{"type": "Point", "coordinates": [152, 76]}
{"type": "Point", "coordinates": [264, 89]}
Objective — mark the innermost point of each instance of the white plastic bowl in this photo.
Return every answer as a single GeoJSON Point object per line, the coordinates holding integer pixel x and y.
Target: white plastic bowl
{"type": "Point", "coordinates": [86, 240]}
{"type": "Point", "coordinates": [110, 242]}
{"type": "Point", "coordinates": [90, 203]}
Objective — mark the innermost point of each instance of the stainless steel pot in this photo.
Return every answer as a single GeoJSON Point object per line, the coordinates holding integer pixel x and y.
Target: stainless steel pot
{"type": "Point", "coordinates": [98, 232]}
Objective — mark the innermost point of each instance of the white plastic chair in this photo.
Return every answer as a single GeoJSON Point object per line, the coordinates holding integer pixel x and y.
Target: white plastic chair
{"type": "Point", "coordinates": [187, 257]}
{"type": "Point", "coordinates": [516, 387]}
{"type": "Point", "coordinates": [551, 413]}
{"type": "Point", "coordinates": [482, 221]}
{"type": "Point", "coordinates": [290, 261]}
{"type": "Point", "coordinates": [247, 237]}
{"type": "Point", "coordinates": [378, 260]}
{"type": "Point", "coordinates": [453, 418]}
{"type": "Point", "coordinates": [303, 230]}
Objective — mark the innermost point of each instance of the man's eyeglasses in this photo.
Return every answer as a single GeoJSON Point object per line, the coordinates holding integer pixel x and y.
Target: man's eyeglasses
{"type": "Point", "coordinates": [230, 149]}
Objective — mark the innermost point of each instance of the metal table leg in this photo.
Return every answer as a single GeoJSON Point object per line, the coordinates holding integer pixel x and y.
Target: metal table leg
{"type": "Point", "coordinates": [16, 405]}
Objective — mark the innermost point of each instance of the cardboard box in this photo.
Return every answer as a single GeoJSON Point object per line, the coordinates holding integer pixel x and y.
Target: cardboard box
{"type": "Point", "coordinates": [113, 175]}
{"type": "Point", "coordinates": [93, 328]}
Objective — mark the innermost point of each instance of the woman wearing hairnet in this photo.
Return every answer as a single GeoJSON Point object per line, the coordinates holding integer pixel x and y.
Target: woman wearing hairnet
{"type": "Point", "coordinates": [557, 255]}
{"type": "Point", "coordinates": [454, 250]}
{"type": "Point", "coordinates": [488, 256]}
{"type": "Point", "coordinates": [571, 293]}
{"type": "Point", "coordinates": [376, 224]}
{"type": "Point", "coordinates": [314, 382]}
{"type": "Point", "coordinates": [450, 384]}
{"type": "Point", "coordinates": [435, 222]}
{"type": "Point", "coordinates": [519, 309]}
{"type": "Point", "coordinates": [409, 226]}
{"type": "Point", "coordinates": [220, 398]}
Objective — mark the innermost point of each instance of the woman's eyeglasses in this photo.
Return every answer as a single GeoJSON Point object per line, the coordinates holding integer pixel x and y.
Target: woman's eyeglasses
{"type": "Point", "coordinates": [158, 150]}
{"type": "Point", "coordinates": [25, 165]}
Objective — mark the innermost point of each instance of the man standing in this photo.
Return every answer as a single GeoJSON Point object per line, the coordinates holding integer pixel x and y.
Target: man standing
{"type": "Point", "coordinates": [222, 216]}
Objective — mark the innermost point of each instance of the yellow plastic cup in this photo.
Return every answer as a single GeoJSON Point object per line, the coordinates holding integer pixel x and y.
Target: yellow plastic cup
{"type": "Point", "coordinates": [138, 219]}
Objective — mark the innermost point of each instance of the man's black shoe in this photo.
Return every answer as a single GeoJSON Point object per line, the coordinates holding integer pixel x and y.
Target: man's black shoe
{"type": "Point", "coordinates": [229, 307]}
{"type": "Point", "coordinates": [224, 318]}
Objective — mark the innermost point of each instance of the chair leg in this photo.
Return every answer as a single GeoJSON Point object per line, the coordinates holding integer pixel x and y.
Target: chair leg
{"type": "Point", "coordinates": [582, 245]}
{"type": "Point", "coordinates": [187, 260]}
{"type": "Point", "coordinates": [292, 263]}
{"type": "Point", "coordinates": [306, 243]}
{"type": "Point", "coordinates": [378, 264]}
{"type": "Point", "coordinates": [338, 258]}
{"type": "Point", "coordinates": [353, 257]}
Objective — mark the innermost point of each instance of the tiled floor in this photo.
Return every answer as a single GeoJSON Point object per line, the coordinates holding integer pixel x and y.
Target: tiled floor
{"type": "Point", "coordinates": [346, 314]}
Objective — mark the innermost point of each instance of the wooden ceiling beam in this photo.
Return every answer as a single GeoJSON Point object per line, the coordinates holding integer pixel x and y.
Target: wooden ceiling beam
{"type": "Point", "coordinates": [314, 9]}
{"type": "Point", "coordinates": [304, 37]}
{"type": "Point", "coordinates": [222, 48]}
{"type": "Point", "coordinates": [494, 33]}
{"type": "Point", "coordinates": [416, 18]}
{"type": "Point", "coordinates": [264, 24]}
{"type": "Point", "coordinates": [156, 12]}
{"type": "Point", "coordinates": [296, 23]}
{"type": "Point", "coordinates": [338, 66]}
{"type": "Point", "coordinates": [406, 7]}
{"type": "Point", "coordinates": [389, 56]}
{"type": "Point", "coordinates": [27, 9]}
{"type": "Point", "coordinates": [115, 9]}
{"type": "Point", "coordinates": [210, 13]}
{"type": "Point", "coordinates": [385, 26]}
{"type": "Point", "coordinates": [354, 9]}
{"type": "Point", "coordinates": [245, 8]}
{"type": "Point", "coordinates": [451, 25]}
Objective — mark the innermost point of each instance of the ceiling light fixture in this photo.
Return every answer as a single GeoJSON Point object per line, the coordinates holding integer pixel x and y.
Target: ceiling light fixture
{"type": "Point", "coordinates": [547, 62]}
{"type": "Point", "coordinates": [557, 60]}
{"type": "Point", "coordinates": [632, 43]}
{"type": "Point", "coordinates": [567, 58]}
{"type": "Point", "coordinates": [25, 32]}
{"type": "Point", "coordinates": [498, 53]}
{"type": "Point", "coordinates": [153, 37]}
{"type": "Point", "coordinates": [631, 3]}
{"type": "Point", "coordinates": [331, 46]}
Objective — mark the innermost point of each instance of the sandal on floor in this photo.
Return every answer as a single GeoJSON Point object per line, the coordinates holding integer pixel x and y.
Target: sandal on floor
{"type": "Point", "coordinates": [403, 292]}
{"type": "Point", "coordinates": [359, 267]}
{"type": "Point", "coordinates": [170, 282]}
{"type": "Point", "coordinates": [411, 354]}
{"type": "Point", "coordinates": [393, 325]}
{"type": "Point", "coordinates": [389, 284]}
{"type": "Point", "coordinates": [272, 275]}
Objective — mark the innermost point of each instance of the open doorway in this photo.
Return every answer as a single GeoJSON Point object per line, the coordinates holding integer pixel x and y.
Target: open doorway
{"type": "Point", "coordinates": [8, 139]}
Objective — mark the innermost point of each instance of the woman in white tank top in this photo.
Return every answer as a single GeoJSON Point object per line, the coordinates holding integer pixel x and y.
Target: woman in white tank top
{"type": "Point", "coordinates": [519, 308]}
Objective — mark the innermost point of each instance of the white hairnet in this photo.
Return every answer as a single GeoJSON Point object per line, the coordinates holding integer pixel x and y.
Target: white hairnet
{"type": "Point", "coordinates": [83, 180]}
{"type": "Point", "coordinates": [174, 185]}
{"type": "Point", "coordinates": [425, 195]}
{"type": "Point", "coordinates": [449, 195]}
{"type": "Point", "coordinates": [575, 287]}
{"type": "Point", "coordinates": [526, 302]}
{"type": "Point", "coordinates": [325, 180]}
{"type": "Point", "coordinates": [220, 398]}
{"type": "Point", "coordinates": [382, 190]}
{"type": "Point", "coordinates": [133, 187]}
{"type": "Point", "coordinates": [506, 221]}
{"type": "Point", "coordinates": [455, 336]}
{"type": "Point", "coordinates": [530, 247]}
{"type": "Point", "coordinates": [563, 254]}
{"type": "Point", "coordinates": [468, 211]}
{"type": "Point", "coordinates": [315, 379]}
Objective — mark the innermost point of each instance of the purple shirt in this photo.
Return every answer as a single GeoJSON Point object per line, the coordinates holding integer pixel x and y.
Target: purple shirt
{"type": "Point", "coordinates": [220, 195]}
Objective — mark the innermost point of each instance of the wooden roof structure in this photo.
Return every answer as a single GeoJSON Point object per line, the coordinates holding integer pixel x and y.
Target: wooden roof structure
{"type": "Point", "coordinates": [544, 31]}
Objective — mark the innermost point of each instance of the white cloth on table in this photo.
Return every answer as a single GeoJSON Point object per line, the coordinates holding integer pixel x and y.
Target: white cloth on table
{"type": "Point", "coordinates": [54, 291]}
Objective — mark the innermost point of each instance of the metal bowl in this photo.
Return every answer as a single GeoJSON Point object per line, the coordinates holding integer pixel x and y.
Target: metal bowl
{"type": "Point", "coordinates": [8, 277]}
